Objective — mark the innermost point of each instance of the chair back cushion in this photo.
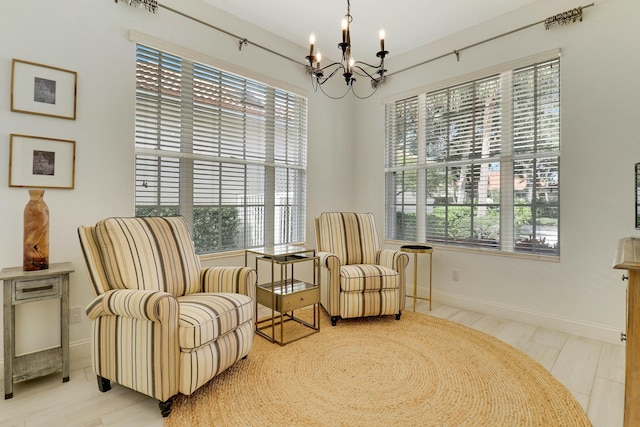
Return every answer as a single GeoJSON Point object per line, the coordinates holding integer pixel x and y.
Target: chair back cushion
{"type": "Point", "coordinates": [152, 253]}
{"type": "Point", "coordinates": [350, 236]}
{"type": "Point", "coordinates": [93, 259]}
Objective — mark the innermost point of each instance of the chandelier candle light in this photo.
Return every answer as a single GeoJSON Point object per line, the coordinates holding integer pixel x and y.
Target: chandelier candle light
{"type": "Point", "coordinates": [348, 67]}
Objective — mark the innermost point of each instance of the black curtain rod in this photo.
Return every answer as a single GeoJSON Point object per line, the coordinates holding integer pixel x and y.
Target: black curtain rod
{"type": "Point", "coordinates": [243, 41]}
{"type": "Point", "coordinates": [456, 52]}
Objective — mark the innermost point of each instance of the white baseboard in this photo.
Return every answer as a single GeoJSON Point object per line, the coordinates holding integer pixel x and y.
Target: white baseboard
{"type": "Point", "coordinates": [79, 356]}
{"type": "Point", "coordinates": [540, 319]}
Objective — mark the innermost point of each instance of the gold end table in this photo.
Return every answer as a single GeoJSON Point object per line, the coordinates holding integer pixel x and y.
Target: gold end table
{"type": "Point", "coordinates": [284, 294]}
{"type": "Point", "coordinates": [415, 250]}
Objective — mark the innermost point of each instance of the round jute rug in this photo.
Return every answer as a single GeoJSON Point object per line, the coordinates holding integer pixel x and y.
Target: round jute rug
{"type": "Point", "coordinates": [418, 371]}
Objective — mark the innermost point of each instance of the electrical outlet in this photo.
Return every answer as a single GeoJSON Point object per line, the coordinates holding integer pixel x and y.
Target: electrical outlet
{"type": "Point", "coordinates": [455, 275]}
{"type": "Point", "coordinates": [75, 315]}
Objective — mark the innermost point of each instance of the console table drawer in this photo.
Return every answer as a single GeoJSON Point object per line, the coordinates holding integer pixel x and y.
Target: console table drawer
{"type": "Point", "coordinates": [37, 288]}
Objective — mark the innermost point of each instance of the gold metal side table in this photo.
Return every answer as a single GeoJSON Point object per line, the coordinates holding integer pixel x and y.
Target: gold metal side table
{"type": "Point", "coordinates": [284, 294]}
{"type": "Point", "coordinates": [415, 250]}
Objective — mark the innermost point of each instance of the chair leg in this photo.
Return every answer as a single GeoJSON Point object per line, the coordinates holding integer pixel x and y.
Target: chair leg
{"type": "Point", "coordinates": [104, 384]}
{"type": "Point", "coordinates": [165, 407]}
{"type": "Point", "coordinates": [398, 315]}
{"type": "Point", "coordinates": [334, 320]}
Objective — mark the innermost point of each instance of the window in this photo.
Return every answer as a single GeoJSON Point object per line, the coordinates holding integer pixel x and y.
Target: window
{"type": "Point", "coordinates": [226, 152]}
{"type": "Point", "coordinates": [477, 164]}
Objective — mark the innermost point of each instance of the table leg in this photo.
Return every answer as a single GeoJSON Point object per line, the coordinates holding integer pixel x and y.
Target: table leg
{"type": "Point", "coordinates": [415, 279]}
{"type": "Point", "coordinates": [9, 341]}
{"type": "Point", "coordinates": [430, 277]}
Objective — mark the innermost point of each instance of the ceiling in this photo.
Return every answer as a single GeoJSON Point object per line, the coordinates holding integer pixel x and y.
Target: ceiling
{"type": "Point", "coordinates": [407, 23]}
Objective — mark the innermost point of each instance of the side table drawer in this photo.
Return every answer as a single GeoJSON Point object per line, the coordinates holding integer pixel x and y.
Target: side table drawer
{"type": "Point", "coordinates": [37, 288]}
{"type": "Point", "coordinates": [302, 295]}
{"type": "Point", "coordinates": [298, 300]}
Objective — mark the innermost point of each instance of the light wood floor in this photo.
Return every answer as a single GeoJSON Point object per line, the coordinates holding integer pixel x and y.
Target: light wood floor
{"type": "Point", "coordinates": [593, 371]}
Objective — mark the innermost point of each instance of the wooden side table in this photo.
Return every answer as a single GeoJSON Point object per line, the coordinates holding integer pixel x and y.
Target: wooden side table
{"type": "Point", "coordinates": [628, 258]}
{"type": "Point", "coordinates": [22, 287]}
{"type": "Point", "coordinates": [415, 250]}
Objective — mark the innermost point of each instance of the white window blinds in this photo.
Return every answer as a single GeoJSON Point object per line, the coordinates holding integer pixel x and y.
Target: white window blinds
{"type": "Point", "coordinates": [226, 152]}
{"type": "Point", "coordinates": [477, 164]}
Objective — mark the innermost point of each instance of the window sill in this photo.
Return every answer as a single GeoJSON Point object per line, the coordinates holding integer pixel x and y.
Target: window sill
{"type": "Point", "coordinates": [451, 248]}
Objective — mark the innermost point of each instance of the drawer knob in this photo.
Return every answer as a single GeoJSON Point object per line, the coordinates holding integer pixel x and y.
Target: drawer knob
{"type": "Point", "coordinates": [625, 277]}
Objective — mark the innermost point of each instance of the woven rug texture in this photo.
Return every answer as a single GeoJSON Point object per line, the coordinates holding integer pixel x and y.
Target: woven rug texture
{"type": "Point", "coordinates": [418, 371]}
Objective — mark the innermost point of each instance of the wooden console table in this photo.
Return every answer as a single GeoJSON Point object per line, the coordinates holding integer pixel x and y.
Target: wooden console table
{"type": "Point", "coordinates": [30, 286]}
{"type": "Point", "coordinates": [628, 258]}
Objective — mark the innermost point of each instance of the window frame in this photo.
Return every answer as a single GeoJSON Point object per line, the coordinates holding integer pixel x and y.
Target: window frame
{"type": "Point", "coordinates": [507, 158]}
{"type": "Point", "coordinates": [281, 154]}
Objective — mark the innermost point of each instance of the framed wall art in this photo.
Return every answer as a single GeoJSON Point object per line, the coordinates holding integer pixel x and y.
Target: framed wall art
{"type": "Point", "coordinates": [44, 90]}
{"type": "Point", "coordinates": [41, 162]}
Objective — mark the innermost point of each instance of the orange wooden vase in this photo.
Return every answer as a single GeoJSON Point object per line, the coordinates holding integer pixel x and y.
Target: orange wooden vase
{"type": "Point", "coordinates": [36, 233]}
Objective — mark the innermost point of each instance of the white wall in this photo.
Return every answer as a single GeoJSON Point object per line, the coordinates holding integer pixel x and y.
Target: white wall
{"type": "Point", "coordinates": [92, 38]}
{"type": "Point", "coordinates": [600, 112]}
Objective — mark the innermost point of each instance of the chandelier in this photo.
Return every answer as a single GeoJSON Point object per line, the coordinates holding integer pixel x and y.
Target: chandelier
{"type": "Point", "coordinates": [347, 67]}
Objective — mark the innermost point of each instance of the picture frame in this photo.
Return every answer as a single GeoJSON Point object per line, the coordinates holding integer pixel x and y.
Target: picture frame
{"type": "Point", "coordinates": [40, 162]}
{"type": "Point", "coordinates": [44, 90]}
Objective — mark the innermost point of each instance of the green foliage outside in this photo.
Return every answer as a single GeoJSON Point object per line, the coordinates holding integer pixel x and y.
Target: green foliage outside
{"type": "Point", "coordinates": [486, 228]}
{"type": "Point", "coordinates": [406, 226]}
{"type": "Point", "coordinates": [215, 228]}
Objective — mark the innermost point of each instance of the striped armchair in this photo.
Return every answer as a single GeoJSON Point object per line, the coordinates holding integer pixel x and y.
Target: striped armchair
{"type": "Point", "coordinates": [161, 324]}
{"type": "Point", "coordinates": [357, 278]}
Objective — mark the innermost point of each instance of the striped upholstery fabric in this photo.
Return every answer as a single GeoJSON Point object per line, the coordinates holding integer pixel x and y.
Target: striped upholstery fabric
{"type": "Point", "coordinates": [362, 304]}
{"type": "Point", "coordinates": [161, 324]}
{"type": "Point", "coordinates": [149, 253]}
{"type": "Point", "coordinates": [199, 365]}
{"type": "Point", "coordinates": [92, 258]}
{"type": "Point", "coordinates": [357, 278]}
{"type": "Point", "coordinates": [350, 236]}
{"type": "Point", "coordinates": [367, 277]}
{"type": "Point", "coordinates": [206, 317]}
{"type": "Point", "coordinates": [124, 323]}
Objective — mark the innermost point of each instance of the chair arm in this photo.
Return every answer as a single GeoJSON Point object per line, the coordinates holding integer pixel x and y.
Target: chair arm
{"type": "Point", "coordinates": [329, 260]}
{"type": "Point", "coordinates": [392, 258]}
{"type": "Point", "coordinates": [329, 277]}
{"type": "Point", "coordinates": [136, 304]}
{"type": "Point", "coordinates": [241, 280]}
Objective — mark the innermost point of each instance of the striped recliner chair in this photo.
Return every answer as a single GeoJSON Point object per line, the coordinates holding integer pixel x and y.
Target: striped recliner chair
{"type": "Point", "coordinates": [161, 324]}
{"type": "Point", "coordinates": [357, 278]}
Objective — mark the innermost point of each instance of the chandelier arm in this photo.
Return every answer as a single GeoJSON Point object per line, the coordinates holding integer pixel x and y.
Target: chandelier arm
{"type": "Point", "coordinates": [314, 82]}
{"type": "Point", "coordinates": [335, 97]}
{"type": "Point", "coordinates": [329, 66]}
{"type": "Point", "coordinates": [369, 65]}
{"type": "Point", "coordinates": [340, 67]}
{"type": "Point", "coordinates": [355, 68]}
{"type": "Point", "coordinates": [365, 97]}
